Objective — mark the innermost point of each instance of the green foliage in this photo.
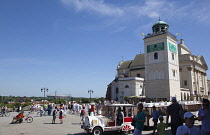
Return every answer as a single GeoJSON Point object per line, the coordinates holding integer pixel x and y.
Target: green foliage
{"type": "Point", "coordinates": [16, 104]}
{"type": "Point", "coordinates": [126, 98]}
{"type": "Point", "coordinates": [62, 101]}
{"type": "Point", "coordinates": [85, 100]}
{"type": "Point", "coordinates": [101, 99]}
{"type": "Point", "coordinates": [10, 105]}
{"type": "Point", "coordinates": [5, 102]}
{"type": "Point", "coordinates": [26, 104]}
{"type": "Point", "coordinates": [27, 100]}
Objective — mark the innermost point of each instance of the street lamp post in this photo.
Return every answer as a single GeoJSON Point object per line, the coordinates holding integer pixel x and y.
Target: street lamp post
{"type": "Point", "coordinates": [90, 91]}
{"type": "Point", "coordinates": [44, 90]}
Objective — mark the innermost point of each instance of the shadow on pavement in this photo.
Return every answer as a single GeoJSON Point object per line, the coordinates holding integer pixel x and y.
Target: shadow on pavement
{"type": "Point", "coordinates": [78, 134]}
{"type": "Point", "coordinates": [75, 123]}
{"type": "Point", "coordinates": [168, 132]}
{"type": "Point", "coordinates": [51, 123]}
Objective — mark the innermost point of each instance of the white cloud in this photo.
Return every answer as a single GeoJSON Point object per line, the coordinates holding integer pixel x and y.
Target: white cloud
{"type": "Point", "coordinates": [195, 11]}
{"type": "Point", "coordinates": [202, 15]}
{"type": "Point", "coordinates": [97, 6]}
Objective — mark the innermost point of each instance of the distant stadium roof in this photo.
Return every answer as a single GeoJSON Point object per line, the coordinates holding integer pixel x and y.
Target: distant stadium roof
{"type": "Point", "coordinates": [59, 95]}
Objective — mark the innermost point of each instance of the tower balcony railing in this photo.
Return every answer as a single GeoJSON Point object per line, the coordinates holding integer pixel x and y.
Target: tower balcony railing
{"type": "Point", "coordinates": [159, 33]}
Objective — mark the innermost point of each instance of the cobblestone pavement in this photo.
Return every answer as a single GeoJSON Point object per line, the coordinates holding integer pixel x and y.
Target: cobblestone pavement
{"type": "Point", "coordinates": [43, 126]}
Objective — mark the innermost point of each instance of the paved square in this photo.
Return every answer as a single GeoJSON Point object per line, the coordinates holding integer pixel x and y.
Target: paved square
{"type": "Point", "coordinates": [43, 126]}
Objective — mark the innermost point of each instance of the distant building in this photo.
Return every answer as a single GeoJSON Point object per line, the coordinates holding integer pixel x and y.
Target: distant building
{"type": "Point", "coordinates": [165, 69]}
{"type": "Point", "coordinates": [59, 96]}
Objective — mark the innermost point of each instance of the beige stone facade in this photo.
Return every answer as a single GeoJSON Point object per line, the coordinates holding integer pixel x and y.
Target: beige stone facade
{"type": "Point", "coordinates": [166, 69]}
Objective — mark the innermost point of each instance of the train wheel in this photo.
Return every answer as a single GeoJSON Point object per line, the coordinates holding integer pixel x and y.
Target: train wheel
{"type": "Point", "coordinates": [97, 131]}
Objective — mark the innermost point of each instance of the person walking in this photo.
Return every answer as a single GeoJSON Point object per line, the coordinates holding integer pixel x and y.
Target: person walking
{"type": "Point", "coordinates": [120, 116]}
{"type": "Point", "coordinates": [155, 116]}
{"type": "Point", "coordinates": [174, 111]}
{"type": "Point", "coordinates": [20, 108]}
{"type": "Point", "coordinates": [45, 107]}
{"type": "Point", "coordinates": [188, 128]}
{"type": "Point", "coordinates": [61, 116]}
{"type": "Point", "coordinates": [139, 119]}
{"type": "Point", "coordinates": [49, 109]}
{"type": "Point", "coordinates": [161, 126]}
{"type": "Point", "coordinates": [82, 115]}
{"type": "Point", "coordinates": [4, 109]}
{"type": "Point", "coordinates": [204, 117]}
{"type": "Point", "coordinates": [13, 109]}
{"type": "Point", "coordinates": [54, 115]}
{"type": "Point", "coordinates": [89, 109]}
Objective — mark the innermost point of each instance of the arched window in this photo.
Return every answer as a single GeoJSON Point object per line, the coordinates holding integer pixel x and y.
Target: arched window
{"type": "Point", "coordinates": [155, 56]}
{"type": "Point", "coordinates": [116, 90]}
{"type": "Point", "coordinates": [126, 86]}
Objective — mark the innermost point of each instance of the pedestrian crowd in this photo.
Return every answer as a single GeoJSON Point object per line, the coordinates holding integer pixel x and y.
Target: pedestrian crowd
{"type": "Point", "coordinates": [61, 110]}
{"type": "Point", "coordinates": [181, 121]}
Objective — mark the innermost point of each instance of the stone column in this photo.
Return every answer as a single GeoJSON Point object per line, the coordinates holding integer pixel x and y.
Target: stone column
{"type": "Point", "coordinates": [180, 75]}
{"type": "Point", "coordinates": [205, 84]}
{"type": "Point", "coordinates": [190, 81]}
{"type": "Point", "coordinates": [195, 82]}
{"type": "Point", "coordinates": [198, 85]}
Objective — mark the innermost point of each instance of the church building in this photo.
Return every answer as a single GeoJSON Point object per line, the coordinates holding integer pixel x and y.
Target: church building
{"type": "Point", "coordinates": [166, 69]}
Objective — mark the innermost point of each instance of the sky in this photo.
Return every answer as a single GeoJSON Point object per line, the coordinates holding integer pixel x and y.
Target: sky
{"type": "Point", "coordinates": [72, 46]}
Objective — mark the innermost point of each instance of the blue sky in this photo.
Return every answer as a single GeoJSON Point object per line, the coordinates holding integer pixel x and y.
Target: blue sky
{"type": "Point", "coordinates": [71, 46]}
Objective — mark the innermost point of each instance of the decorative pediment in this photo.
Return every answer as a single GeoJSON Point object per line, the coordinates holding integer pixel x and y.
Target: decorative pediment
{"type": "Point", "coordinates": [200, 59]}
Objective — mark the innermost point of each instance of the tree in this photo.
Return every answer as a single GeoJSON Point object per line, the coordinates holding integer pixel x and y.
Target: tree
{"type": "Point", "coordinates": [85, 100]}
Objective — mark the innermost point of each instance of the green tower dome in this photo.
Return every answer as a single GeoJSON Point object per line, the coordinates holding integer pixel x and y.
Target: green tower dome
{"type": "Point", "coordinates": [160, 22]}
{"type": "Point", "coordinates": [160, 26]}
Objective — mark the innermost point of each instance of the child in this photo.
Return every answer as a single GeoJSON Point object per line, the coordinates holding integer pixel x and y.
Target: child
{"type": "Point", "coordinates": [155, 115]}
{"type": "Point", "coordinates": [161, 127]}
{"type": "Point", "coordinates": [83, 114]}
{"type": "Point", "coordinates": [54, 115]}
{"type": "Point", "coordinates": [18, 118]}
{"type": "Point", "coordinates": [61, 116]}
{"type": "Point", "coordinates": [188, 128]}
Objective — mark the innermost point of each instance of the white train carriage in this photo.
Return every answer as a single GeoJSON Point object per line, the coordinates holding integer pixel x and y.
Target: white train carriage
{"type": "Point", "coordinates": [96, 125]}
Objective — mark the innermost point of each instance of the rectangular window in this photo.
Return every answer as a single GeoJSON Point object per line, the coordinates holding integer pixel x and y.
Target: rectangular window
{"type": "Point", "coordinates": [174, 73]}
{"type": "Point", "coordinates": [185, 82]}
{"type": "Point", "coordinates": [172, 56]}
{"type": "Point", "coordinates": [116, 90]}
{"type": "Point", "coordinates": [138, 75]}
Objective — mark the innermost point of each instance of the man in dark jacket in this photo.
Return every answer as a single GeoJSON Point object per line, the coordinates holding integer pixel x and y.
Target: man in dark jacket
{"type": "Point", "coordinates": [174, 111]}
